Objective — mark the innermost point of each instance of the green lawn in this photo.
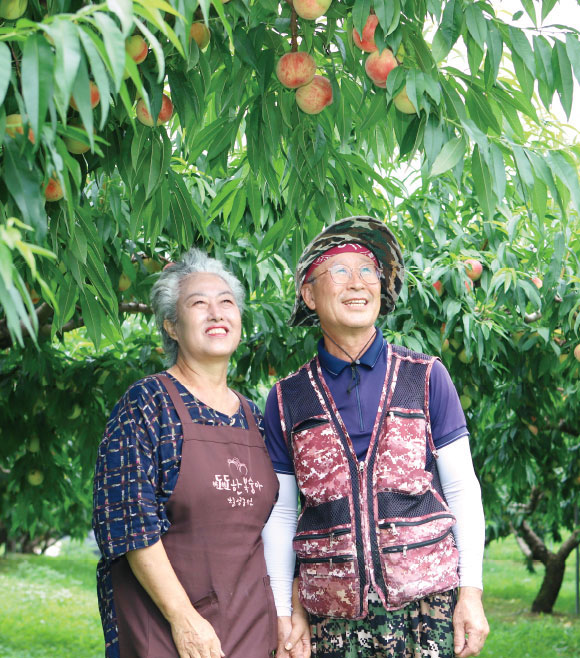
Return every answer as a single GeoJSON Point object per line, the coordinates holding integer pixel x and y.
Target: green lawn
{"type": "Point", "coordinates": [48, 608]}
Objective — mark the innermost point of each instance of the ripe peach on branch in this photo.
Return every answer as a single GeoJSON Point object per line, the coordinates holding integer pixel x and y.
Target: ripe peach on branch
{"type": "Point", "coordinates": [295, 69]}
{"type": "Point", "coordinates": [95, 97]}
{"type": "Point", "coordinates": [200, 33]}
{"type": "Point", "coordinates": [379, 65]}
{"type": "Point", "coordinates": [137, 48]}
{"type": "Point", "coordinates": [473, 269]}
{"type": "Point", "coordinates": [311, 9]}
{"type": "Point", "coordinates": [367, 42]}
{"type": "Point", "coordinates": [15, 125]}
{"type": "Point", "coordinates": [53, 190]}
{"type": "Point", "coordinates": [165, 114]}
{"type": "Point", "coordinates": [315, 96]}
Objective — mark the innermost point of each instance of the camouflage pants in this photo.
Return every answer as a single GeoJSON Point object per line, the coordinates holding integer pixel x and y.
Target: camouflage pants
{"type": "Point", "coordinates": [422, 629]}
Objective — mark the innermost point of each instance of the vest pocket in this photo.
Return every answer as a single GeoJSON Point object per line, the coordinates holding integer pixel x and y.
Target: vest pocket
{"type": "Point", "coordinates": [329, 587]}
{"type": "Point", "coordinates": [415, 564]}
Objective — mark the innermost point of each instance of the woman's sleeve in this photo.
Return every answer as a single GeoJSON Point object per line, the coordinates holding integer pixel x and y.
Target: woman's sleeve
{"type": "Point", "coordinates": [277, 536]}
{"type": "Point", "coordinates": [126, 513]}
{"type": "Point", "coordinates": [463, 495]}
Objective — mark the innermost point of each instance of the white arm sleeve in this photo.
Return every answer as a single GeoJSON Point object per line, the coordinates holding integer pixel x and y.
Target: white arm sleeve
{"type": "Point", "coordinates": [463, 495]}
{"type": "Point", "coordinates": [277, 536]}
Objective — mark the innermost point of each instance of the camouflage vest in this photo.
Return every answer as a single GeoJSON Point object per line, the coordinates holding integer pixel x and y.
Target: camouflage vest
{"type": "Point", "coordinates": [382, 522]}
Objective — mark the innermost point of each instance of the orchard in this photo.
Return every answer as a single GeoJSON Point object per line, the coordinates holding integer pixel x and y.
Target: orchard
{"type": "Point", "coordinates": [130, 131]}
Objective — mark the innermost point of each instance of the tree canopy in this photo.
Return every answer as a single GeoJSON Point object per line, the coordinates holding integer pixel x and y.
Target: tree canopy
{"type": "Point", "coordinates": [458, 153]}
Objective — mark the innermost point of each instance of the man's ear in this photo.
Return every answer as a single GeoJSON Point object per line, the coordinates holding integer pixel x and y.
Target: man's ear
{"type": "Point", "coordinates": [170, 329]}
{"type": "Point", "coordinates": [308, 296]}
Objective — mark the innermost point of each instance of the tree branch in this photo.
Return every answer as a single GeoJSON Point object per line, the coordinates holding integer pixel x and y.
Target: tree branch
{"type": "Point", "coordinates": [293, 27]}
{"type": "Point", "coordinates": [45, 313]}
{"type": "Point", "coordinates": [570, 544]}
{"type": "Point", "coordinates": [537, 547]}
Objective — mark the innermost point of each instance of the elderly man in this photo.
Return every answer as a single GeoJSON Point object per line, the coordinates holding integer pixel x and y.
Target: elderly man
{"type": "Point", "coordinates": [372, 439]}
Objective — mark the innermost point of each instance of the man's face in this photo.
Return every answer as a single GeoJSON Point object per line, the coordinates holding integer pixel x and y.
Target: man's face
{"type": "Point", "coordinates": [343, 307]}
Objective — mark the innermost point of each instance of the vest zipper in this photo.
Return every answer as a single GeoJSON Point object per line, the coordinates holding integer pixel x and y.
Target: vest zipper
{"type": "Point", "coordinates": [338, 559]}
{"type": "Point", "coordinates": [393, 524]}
{"type": "Point", "coordinates": [404, 547]}
{"type": "Point", "coordinates": [405, 414]}
{"type": "Point", "coordinates": [356, 490]}
{"type": "Point", "coordinates": [323, 535]}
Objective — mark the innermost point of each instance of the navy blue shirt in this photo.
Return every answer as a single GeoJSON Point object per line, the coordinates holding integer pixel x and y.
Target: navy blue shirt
{"type": "Point", "coordinates": [358, 409]}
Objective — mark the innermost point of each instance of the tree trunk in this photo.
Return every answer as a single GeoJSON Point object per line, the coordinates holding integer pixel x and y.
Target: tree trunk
{"type": "Point", "coordinates": [553, 577]}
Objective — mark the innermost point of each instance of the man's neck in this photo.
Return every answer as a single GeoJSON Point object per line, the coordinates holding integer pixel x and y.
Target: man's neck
{"type": "Point", "coordinates": [354, 343]}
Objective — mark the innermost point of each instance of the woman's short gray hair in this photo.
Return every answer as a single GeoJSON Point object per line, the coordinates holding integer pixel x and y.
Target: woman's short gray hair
{"type": "Point", "coordinates": [165, 292]}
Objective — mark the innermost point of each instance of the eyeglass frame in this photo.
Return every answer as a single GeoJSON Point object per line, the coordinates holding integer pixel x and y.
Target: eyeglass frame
{"type": "Point", "coordinates": [378, 270]}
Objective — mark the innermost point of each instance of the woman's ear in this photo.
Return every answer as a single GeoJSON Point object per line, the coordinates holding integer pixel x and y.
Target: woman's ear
{"type": "Point", "coordinates": [170, 329]}
{"type": "Point", "coordinates": [308, 296]}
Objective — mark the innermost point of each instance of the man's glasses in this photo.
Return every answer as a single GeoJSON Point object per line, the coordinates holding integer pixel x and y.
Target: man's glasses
{"type": "Point", "coordinates": [341, 274]}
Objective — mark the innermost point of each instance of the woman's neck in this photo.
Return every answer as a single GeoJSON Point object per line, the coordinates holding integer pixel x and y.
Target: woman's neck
{"type": "Point", "coordinates": [207, 382]}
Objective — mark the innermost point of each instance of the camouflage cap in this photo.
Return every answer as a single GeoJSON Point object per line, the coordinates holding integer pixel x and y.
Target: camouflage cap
{"type": "Point", "coordinates": [370, 232]}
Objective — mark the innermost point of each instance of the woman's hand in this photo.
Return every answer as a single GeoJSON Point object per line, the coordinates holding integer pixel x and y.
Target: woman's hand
{"type": "Point", "coordinates": [195, 637]}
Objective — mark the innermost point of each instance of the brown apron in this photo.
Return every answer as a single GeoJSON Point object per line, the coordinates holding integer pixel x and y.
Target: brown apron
{"type": "Point", "coordinates": [225, 491]}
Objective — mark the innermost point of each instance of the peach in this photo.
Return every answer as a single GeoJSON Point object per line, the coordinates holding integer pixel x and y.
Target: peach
{"type": "Point", "coordinates": [577, 352]}
{"type": "Point", "coordinates": [367, 43]}
{"type": "Point", "coordinates": [403, 104]}
{"type": "Point", "coordinates": [295, 69]}
{"type": "Point", "coordinates": [378, 66]}
{"type": "Point", "coordinates": [14, 125]}
{"type": "Point", "coordinates": [53, 190]}
{"type": "Point", "coordinates": [438, 287]}
{"type": "Point", "coordinates": [165, 114]}
{"type": "Point", "coordinates": [12, 9]}
{"type": "Point", "coordinates": [311, 9]}
{"type": "Point", "coordinates": [200, 34]}
{"type": "Point", "coordinates": [76, 146]}
{"type": "Point", "coordinates": [95, 97]}
{"type": "Point", "coordinates": [537, 282]}
{"type": "Point", "coordinates": [473, 269]}
{"type": "Point", "coordinates": [315, 96]}
{"type": "Point", "coordinates": [136, 47]}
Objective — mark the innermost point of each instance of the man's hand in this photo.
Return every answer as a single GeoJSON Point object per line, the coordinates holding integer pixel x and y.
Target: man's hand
{"type": "Point", "coordinates": [470, 626]}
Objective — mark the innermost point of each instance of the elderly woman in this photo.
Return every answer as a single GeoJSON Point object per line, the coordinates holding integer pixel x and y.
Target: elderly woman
{"type": "Point", "coordinates": [183, 488]}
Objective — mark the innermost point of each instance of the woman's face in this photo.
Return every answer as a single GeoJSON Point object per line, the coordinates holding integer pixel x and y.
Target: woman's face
{"type": "Point", "coordinates": [208, 324]}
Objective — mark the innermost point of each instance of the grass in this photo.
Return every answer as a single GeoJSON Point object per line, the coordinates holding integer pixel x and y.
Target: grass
{"type": "Point", "coordinates": [48, 607]}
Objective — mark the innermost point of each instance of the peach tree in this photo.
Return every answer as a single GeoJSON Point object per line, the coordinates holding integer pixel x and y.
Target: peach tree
{"type": "Point", "coordinates": [132, 130]}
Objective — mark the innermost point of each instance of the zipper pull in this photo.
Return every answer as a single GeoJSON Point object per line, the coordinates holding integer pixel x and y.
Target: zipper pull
{"type": "Point", "coordinates": [404, 551]}
{"type": "Point", "coordinates": [361, 466]}
{"type": "Point", "coordinates": [331, 539]}
{"type": "Point", "coordinates": [394, 529]}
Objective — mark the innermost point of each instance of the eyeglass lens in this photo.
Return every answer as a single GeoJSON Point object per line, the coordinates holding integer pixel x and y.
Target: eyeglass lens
{"type": "Point", "coordinates": [343, 273]}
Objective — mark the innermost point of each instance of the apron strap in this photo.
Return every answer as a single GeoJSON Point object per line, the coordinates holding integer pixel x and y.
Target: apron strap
{"type": "Point", "coordinates": [249, 415]}
{"type": "Point", "coordinates": [178, 403]}
{"type": "Point", "coordinates": [183, 412]}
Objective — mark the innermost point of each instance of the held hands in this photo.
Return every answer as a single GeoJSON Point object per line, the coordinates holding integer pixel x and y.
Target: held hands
{"type": "Point", "coordinates": [293, 636]}
{"type": "Point", "coordinates": [294, 632]}
{"type": "Point", "coordinates": [470, 626]}
{"type": "Point", "coordinates": [195, 637]}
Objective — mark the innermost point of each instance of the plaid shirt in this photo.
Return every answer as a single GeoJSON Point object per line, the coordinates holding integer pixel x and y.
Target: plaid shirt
{"type": "Point", "coordinates": [136, 473]}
